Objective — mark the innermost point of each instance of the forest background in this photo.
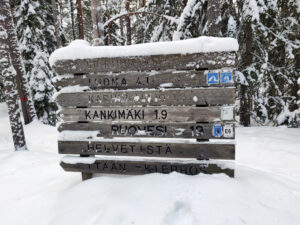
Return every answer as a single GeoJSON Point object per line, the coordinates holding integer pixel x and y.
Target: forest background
{"type": "Point", "coordinates": [268, 31]}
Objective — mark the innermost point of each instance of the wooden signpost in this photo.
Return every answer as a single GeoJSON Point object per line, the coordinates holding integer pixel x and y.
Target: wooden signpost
{"type": "Point", "coordinates": [145, 114]}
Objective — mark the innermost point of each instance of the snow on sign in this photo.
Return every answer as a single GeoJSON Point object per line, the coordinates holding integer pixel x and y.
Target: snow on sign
{"type": "Point", "coordinates": [110, 102]}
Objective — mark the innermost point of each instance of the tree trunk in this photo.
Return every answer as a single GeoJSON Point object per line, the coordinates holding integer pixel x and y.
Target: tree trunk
{"type": "Point", "coordinates": [12, 47]}
{"type": "Point", "coordinates": [128, 24]}
{"type": "Point", "coordinates": [97, 18]}
{"type": "Point", "coordinates": [56, 23]}
{"type": "Point", "coordinates": [245, 99]}
{"type": "Point", "coordinates": [72, 19]}
{"type": "Point", "coordinates": [214, 18]}
{"type": "Point", "coordinates": [11, 97]}
{"type": "Point", "coordinates": [80, 21]}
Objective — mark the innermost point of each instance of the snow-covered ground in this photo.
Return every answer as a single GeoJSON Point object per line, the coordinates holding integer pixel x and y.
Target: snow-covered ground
{"type": "Point", "coordinates": [34, 190]}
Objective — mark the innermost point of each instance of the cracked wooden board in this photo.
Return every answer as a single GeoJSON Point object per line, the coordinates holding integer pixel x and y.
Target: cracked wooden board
{"type": "Point", "coordinates": [154, 79]}
{"type": "Point", "coordinates": [209, 60]}
{"type": "Point", "coordinates": [169, 97]}
{"type": "Point", "coordinates": [134, 167]}
{"type": "Point", "coordinates": [199, 131]}
{"type": "Point", "coordinates": [149, 149]}
{"type": "Point", "coordinates": [149, 114]}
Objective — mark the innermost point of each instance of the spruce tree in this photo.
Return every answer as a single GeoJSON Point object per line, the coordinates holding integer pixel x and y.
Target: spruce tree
{"type": "Point", "coordinates": [268, 57]}
{"type": "Point", "coordinates": [36, 37]}
{"type": "Point", "coordinates": [281, 21]}
{"type": "Point", "coordinates": [159, 22]}
{"type": "Point", "coordinates": [192, 20]}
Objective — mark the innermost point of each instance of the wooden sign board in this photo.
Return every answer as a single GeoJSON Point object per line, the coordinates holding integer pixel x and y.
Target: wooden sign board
{"type": "Point", "coordinates": [143, 167]}
{"type": "Point", "coordinates": [210, 60]}
{"type": "Point", "coordinates": [149, 114]}
{"type": "Point", "coordinates": [168, 97]}
{"type": "Point", "coordinates": [153, 79]}
{"type": "Point", "coordinates": [149, 149]}
{"type": "Point", "coordinates": [161, 96]}
{"type": "Point", "coordinates": [199, 131]}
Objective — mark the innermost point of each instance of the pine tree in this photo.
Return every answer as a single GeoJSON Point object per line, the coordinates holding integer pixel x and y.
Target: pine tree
{"type": "Point", "coordinates": [268, 60]}
{"type": "Point", "coordinates": [37, 41]}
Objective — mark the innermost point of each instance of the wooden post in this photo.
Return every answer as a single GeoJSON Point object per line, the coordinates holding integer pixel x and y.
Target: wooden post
{"type": "Point", "coordinates": [85, 175]}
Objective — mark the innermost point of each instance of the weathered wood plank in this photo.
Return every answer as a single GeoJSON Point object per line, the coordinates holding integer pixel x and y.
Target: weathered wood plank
{"type": "Point", "coordinates": [149, 114]}
{"type": "Point", "coordinates": [211, 60]}
{"type": "Point", "coordinates": [168, 97]}
{"type": "Point", "coordinates": [149, 149]}
{"type": "Point", "coordinates": [166, 130]}
{"type": "Point", "coordinates": [142, 167]}
{"type": "Point", "coordinates": [157, 79]}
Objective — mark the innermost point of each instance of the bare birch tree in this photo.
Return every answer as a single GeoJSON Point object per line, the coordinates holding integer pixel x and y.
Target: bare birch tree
{"type": "Point", "coordinates": [56, 23]}
{"type": "Point", "coordinates": [10, 90]}
{"type": "Point", "coordinates": [97, 18]}
{"type": "Point", "coordinates": [11, 98]}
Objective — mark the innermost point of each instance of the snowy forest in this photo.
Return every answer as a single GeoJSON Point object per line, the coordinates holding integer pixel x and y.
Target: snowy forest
{"type": "Point", "coordinates": [268, 60]}
{"type": "Point", "coordinates": [150, 112]}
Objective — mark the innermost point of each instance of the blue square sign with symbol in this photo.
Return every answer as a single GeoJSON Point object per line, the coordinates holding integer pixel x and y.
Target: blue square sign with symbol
{"type": "Point", "coordinates": [212, 78]}
{"type": "Point", "coordinates": [217, 130]}
{"type": "Point", "coordinates": [226, 78]}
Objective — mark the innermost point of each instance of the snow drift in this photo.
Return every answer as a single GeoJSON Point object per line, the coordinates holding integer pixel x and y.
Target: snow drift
{"type": "Point", "coordinates": [265, 191]}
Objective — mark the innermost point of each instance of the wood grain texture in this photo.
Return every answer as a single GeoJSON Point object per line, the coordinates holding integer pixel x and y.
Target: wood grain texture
{"type": "Point", "coordinates": [149, 149]}
{"type": "Point", "coordinates": [142, 114]}
{"type": "Point", "coordinates": [164, 130]}
{"type": "Point", "coordinates": [139, 167]}
{"type": "Point", "coordinates": [168, 97]}
{"type": "Point", "coordinates": [131, 80]}
{"type": "Point", "coordinates": [211, 60]}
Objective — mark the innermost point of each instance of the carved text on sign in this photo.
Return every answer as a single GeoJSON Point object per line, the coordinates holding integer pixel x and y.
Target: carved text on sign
{"type": "Point", "coordinates": [149, 149]}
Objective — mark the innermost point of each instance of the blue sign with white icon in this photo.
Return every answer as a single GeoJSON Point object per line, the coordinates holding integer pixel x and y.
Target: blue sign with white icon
{"type": "Point", "coordinates": [217, 130]}
{"type": "Point", "coordinates": [226, 78]}
{"type": "Point", "coordinates": [212, 78]}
